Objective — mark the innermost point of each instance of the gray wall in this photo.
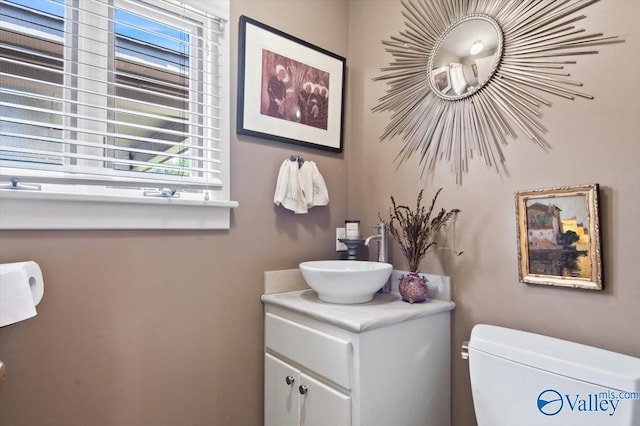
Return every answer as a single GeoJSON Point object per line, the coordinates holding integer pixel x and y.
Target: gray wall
{"type": "Point", "coordinates": [165, 327]}
{"type": "Point", "coordinates": [148, 328]}
{"type": "Point", "coordinates": [592, 141]}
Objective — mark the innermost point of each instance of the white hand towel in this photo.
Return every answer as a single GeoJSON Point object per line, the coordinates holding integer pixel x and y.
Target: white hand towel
{"type": "Point", "coordinates": [282, 183]}
{"type": "Point", "coordinates": [288, 190]}
{"type": "Point", "coordinates": [306, 182]}
{"type": "Point", "coordinates": [320, 191]}
{"type": "Point", "coordinates": [294, 175]}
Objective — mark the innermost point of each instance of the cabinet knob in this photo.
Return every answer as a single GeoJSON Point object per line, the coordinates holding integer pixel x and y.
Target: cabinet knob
{"type": "Point", "coordinates": [303, 389]}
{"type": "Point", "coordinates": [289, 380]}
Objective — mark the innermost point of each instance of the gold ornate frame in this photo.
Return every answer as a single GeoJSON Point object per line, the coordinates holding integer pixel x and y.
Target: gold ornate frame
{"type": "Point", "coordinates": [559, 237]}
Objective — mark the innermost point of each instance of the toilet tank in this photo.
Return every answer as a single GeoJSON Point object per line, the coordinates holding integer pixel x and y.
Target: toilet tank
{"type": "Point", "coordinates": [520, 378]}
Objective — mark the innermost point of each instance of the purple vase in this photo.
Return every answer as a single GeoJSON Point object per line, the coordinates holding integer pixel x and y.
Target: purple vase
{"type": "Point", "coordinates": [413, 288]}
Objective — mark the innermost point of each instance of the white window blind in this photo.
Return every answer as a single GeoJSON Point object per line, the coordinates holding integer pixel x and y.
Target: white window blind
{"type": "Point", "coordinates": [113, 94]}
{"type": "Point", "coordinates": [116, 98]}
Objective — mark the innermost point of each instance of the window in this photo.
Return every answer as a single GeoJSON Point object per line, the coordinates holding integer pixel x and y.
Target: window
{"type": "Point", "coordinates": [114, 102]}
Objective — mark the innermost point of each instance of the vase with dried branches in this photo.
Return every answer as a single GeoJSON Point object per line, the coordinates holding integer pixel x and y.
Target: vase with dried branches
{"type": "Point", "coordinates": [416, 232]}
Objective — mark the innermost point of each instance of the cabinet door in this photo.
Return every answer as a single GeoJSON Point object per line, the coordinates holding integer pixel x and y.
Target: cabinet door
{"type": "Point", "coordinates": [281, 395]}
{"type": "Point", "coordinates": [321, 405]}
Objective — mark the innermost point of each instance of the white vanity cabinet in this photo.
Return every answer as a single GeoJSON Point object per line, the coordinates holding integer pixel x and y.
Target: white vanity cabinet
{"type": "Point", "coordinates": [385, 362]}
{"type": "Point", "coordinates": [292, 398]}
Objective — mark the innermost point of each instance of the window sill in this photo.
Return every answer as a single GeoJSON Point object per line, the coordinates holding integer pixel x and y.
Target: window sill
{"type": "Point", "coordinates": [37, 210]}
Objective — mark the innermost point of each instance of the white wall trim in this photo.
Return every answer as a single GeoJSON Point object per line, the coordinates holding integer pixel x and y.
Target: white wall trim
{"type": "Point", "coordinates": [28, 210]}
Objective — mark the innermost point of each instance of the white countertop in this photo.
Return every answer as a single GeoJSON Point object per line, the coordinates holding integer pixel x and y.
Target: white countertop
{"type": "Point", "coordinates": [384, 310]}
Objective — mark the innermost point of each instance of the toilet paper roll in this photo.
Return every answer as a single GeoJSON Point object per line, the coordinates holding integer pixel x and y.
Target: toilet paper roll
{"type": "Point", "coordinates": [21, 289]}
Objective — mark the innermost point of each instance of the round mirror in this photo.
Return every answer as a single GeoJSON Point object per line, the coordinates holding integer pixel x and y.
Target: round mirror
{"type": "Point", "coordinates": [465, 57]}
{"type": "Point", "coordinates": [468, 117]}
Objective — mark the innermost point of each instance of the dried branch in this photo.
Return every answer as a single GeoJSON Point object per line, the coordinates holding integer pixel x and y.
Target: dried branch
{"type": "Point", "coordinates": [415, 230]}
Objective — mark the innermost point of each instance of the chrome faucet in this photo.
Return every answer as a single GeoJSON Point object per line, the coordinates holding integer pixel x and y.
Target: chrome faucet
{"type": "Point", "coordinates": [381, 237]}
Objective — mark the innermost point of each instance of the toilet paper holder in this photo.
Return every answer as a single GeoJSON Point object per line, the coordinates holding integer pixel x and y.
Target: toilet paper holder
{"type": "Point", "coordinates": [3, 372]}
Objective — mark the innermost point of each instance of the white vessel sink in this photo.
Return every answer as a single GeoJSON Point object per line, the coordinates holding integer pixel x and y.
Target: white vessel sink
{"type": "Point", "coordinates": [345, 281]}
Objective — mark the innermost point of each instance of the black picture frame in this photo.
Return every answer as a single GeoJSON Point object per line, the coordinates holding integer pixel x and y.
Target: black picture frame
{"type": "Point", "coordinates": [283, 108]}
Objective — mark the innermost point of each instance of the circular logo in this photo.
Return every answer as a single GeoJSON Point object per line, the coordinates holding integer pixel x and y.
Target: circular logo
{"type": "Point", "coordinates": [550, 402]}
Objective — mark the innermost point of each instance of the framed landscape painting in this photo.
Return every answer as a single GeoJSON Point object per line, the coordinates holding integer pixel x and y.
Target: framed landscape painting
{"type": "Point", "coordinates": [559, 237]}
{"type": "Point", "coordinates": [289, 90]}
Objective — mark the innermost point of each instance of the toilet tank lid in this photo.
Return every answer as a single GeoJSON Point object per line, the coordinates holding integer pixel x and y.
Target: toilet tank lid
{"type": "Point", "coordinates": [581, 362]}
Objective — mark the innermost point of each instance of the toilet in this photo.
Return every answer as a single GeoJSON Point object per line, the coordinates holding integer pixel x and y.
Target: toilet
{"type": "Point", "coordinates": [520, 378]}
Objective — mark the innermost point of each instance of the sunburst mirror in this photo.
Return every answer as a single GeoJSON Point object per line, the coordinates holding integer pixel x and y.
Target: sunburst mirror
{"type": "Point", "coordinates": [466, 74]}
